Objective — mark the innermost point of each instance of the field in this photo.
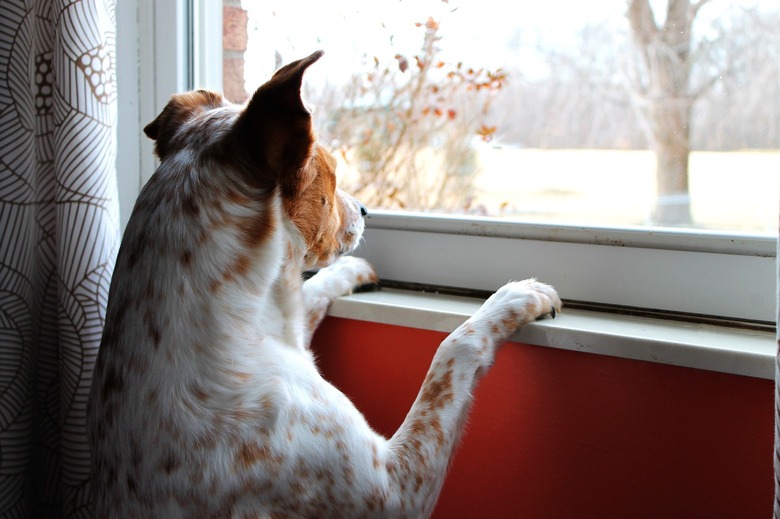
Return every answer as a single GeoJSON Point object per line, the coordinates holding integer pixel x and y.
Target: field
{"type": "Point", "coordinates": [734, 191]}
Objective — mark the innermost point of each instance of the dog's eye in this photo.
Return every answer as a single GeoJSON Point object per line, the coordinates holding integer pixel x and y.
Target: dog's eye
{"type": "Point", "coordinates": [324, 200]}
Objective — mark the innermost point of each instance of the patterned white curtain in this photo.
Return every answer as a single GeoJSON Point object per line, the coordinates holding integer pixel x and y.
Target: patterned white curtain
{"type": "Point", "coordinates": [59, 235]}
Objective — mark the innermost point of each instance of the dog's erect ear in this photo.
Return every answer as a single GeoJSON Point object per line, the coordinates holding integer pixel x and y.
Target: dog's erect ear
{"type": "Point", "coordinates": [179, 109]}
{"type": "Point", "coordinates": [275, 129]}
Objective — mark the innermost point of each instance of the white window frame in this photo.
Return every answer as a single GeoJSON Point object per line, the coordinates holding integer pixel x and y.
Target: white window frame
{"type": "Point", "coordinates": [690, 273]}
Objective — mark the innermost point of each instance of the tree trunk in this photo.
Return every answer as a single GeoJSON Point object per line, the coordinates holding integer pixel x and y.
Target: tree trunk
{"type": "Point", "coordinates": [669, 122]}
{"type": "Point", "coordinates": [663, 88]}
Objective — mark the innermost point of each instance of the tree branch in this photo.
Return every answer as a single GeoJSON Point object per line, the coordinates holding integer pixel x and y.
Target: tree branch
{"type": "Point", "coordinates": [640, 16]}
{"type": "Point", "coordinates": [695, 6]}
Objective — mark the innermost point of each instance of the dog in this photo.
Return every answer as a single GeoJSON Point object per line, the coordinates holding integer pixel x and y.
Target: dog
{"type": "Point", "coordinates": [206, 401]}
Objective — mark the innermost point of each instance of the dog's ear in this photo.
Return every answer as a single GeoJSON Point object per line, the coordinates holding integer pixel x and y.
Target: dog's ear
{"type": "Point", "coordinates": [179, 109]}
{"type": "Point", "coordinates": [275, 130]}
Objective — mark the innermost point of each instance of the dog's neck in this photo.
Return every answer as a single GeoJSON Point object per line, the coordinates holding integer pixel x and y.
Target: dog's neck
{"type": "Point", "coordinates": [287, 291]}
{"type": "Point", "coordinates": [218, 294]}
{"type": "Point", "coordinates": [275, 289]}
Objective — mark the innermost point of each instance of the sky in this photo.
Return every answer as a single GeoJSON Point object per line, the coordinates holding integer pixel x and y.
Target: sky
{"type": "Point", "coordinates": [483, 33]}
{"type": "Point", "coordinates": [347, 29]}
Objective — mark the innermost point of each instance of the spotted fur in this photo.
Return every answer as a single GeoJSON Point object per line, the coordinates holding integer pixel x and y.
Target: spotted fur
{"type": "Point", "coordinates": [206, 400]}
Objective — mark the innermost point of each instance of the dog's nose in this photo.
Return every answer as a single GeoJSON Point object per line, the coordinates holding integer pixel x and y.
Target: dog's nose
{"type": "Point", "coordinates": [363, 210]}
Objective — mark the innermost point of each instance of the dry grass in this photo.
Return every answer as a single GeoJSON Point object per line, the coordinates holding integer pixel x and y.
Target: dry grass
{"type": "Point", "coordinates": [735, 191]}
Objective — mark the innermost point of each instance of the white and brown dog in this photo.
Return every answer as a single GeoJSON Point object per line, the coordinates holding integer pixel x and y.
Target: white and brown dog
{"type": "Point", "coordinates": [206, 400]}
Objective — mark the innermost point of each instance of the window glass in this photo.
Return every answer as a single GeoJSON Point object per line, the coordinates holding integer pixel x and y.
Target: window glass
{"type": "Point", "coordinates": [606, 113]}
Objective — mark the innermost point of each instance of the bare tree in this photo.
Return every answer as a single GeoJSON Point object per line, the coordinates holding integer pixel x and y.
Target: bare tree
{"type": "Point", "coordinates": [665, 98]}
{"type": "Point", "coordinates": [589, 95]}
{"type": "Point", "coordinates": [742, 110]}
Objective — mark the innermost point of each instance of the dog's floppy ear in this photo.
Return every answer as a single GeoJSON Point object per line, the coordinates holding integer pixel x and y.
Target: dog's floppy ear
{"type": "Point", "coordinates": [275, 129]}
{"type": "Point", "coordinates": [179, 109]}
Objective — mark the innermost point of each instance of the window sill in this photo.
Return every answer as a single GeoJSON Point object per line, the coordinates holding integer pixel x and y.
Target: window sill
{"type": "Point", "coordinates": [715, 348]}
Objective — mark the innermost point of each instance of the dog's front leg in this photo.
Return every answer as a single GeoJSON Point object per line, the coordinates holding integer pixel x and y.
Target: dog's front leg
{"type": "Point", "coordinates": [422, 447]}
{"type": "Point", "coordinates": [338, 279]}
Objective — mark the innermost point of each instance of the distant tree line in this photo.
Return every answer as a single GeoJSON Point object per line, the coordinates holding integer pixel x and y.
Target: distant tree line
{"type": "Point", "coordinates": [587, 98]}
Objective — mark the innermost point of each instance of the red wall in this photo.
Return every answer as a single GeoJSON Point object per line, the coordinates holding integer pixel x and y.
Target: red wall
{"type": "Point", "coordinates": [555, 433]}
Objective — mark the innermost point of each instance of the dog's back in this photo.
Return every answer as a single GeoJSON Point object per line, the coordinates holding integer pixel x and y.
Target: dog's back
{"type": "Point", "coordinates": [196, 409]}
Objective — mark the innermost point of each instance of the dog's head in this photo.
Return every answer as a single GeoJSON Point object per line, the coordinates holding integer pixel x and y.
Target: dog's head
{"type": "Point", "coordinates": [270, 145]}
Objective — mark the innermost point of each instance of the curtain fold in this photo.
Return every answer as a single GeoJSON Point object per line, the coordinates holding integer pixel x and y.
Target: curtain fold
{"type": "Point", "coordinates": [60, 233]}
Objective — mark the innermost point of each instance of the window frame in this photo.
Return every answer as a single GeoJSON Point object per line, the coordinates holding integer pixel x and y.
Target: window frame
{"type": "Point", "coordinates": [682, 272]}
{"type": "Point", "coordinates": [694, 275]}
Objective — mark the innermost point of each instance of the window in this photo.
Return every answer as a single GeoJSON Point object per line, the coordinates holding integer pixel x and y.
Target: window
{"type": "Point", "coordinates": [539, 137]}
{"type": "Point", "coordinates": [574, 113]}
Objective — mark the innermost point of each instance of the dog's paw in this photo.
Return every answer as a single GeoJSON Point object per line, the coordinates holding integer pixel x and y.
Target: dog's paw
{"type": "Point", "coordinates": [357, 272]}
{"type": "Point", "coordinates": [342, 277]}
{"type": "Point", "coordinates": [516, 304]}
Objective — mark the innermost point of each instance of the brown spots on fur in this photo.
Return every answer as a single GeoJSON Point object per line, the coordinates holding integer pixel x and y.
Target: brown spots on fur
{"type": "Point", "coordinates": [111, 476]}
{"type": "Point", "coordinates": [186, 261]}
{"type": "Point", "coordinates": [437, 392]}
{"type": "Point", "coordinates": [240, 267]}
{"type": "Point", "coordinates": [111, 333]}
{"type": "Point", "coordinates": [438, 432]}
{"type": "Point", "coordinates": [511, 321]}
{"type": "Point", "coordinates": [169, 463]}
{"type": "Point", "coordinates": [109, 412]}
{"type": "Point", "coordinates": [190, 206]}
{"type": "Point", "coordinates": [199, 392]}
{"type": "Point", "coordinates": [255, 230]}
{"type": "Point", "coordinates": [315, 317]}
{"type": "Point", "coordinates": [252, 232]}
{"type": "Point", "coordinates": [113, 382]}
{"type": "Point", "coordinates": [135, 250]}
{"type": "Point", "coordinates": [417, 428]}
{"type": "Point", "coordinates": [135, 455]}
{"type": "Point", "coordinates": [206, 440]}
{"type": "Point", "coordinates": [151, 398]}
{"type": "Point", "coordinates": [468, 330]}
{"type": "Point", "coordinates": [239, 376]}
{"type": "Point", "coordinates": [153, 328]}
{"type": "Point", "coordinates": [375, 456]}
{"type": "Point", "coordinates": [149, 293]}
{"type": "Point", "coordinates": [375, 501]}
{"type": "Point", "coordinates": [241, 415]}
{"type": "Point", "coordinates": [155, 334]}
{"type": "Point", "coordinates": [251, 452]}
{"type": "Point", "coordinates": [494, 329]}
{"type": "Point", "coordinates": [237, 197]}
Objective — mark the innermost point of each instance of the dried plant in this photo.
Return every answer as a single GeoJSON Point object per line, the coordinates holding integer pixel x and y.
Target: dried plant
{"type": "Point", "coordinates": [407, 127]}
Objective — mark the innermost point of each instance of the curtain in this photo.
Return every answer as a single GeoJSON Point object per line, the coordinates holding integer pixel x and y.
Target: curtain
{"type": "Point", "coordinates": [60, 232]}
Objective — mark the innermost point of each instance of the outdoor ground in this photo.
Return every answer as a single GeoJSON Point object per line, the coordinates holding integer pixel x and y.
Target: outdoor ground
{"type": "Point", "coordinates": [734, 191]}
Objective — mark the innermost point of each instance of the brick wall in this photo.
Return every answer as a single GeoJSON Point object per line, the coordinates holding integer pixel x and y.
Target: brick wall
{"type": "Point", "coordinates": [234, 38]}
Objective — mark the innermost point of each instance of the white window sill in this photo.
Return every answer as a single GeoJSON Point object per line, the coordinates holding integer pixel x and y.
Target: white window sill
{"type": "Point", "coordinates": [715, 348]}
